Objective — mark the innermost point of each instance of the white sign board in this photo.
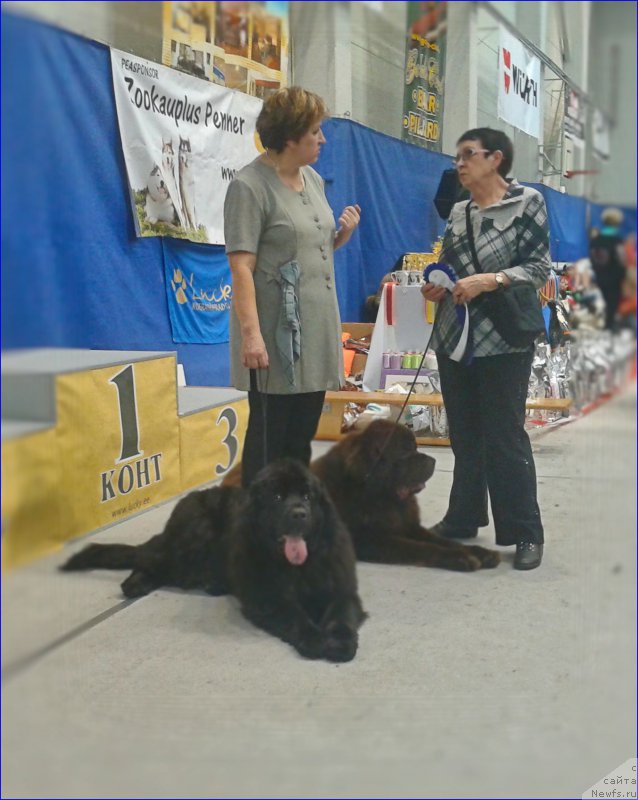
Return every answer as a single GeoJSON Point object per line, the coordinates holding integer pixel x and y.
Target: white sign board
{"type": "Point", "coordinates": [599, 135]}
{"type": "Point", "coordinates": [519, 85]}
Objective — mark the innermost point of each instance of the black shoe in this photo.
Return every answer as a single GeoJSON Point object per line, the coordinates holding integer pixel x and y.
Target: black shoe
{"type": "Point", "coordinates": [447, 531]}
{"type": "Point", "coordinates": [528, 555]}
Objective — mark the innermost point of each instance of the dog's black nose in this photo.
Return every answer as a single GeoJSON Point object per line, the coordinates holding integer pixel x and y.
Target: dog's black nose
{"type": "Point", "coordinates": [299, 513]}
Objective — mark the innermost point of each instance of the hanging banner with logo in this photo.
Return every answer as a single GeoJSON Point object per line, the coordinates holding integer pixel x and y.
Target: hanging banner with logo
{"type": "Point", "coordinates": [424, 74]}
{"type": "Point", "coordinates": [184, 140]}
{"type": "Point", "coordinates": [600, 135]}
{"type": "Point", "coordinates": [199, 291]}
{"type": "Point", "coordinates": [242, 46]}
{"type": "Point", "coordinates": [519, 85]}
{"type": "Point", "coordinates": [575, 114]}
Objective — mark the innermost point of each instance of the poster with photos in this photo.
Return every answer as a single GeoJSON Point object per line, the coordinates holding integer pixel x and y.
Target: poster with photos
{"type": "Point", "coordinates": [239, 45]}
{"type": "Point", "coordinates": [424, 90]}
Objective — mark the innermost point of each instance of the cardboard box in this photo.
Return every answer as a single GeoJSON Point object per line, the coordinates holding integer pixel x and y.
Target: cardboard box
{"type": "Point", "coordinates": [358, 330]}
{"type": "Point", "coordinates": [358, 364]}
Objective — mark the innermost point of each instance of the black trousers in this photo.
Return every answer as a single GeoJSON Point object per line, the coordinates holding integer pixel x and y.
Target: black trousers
{"type": "Point", "coordinates": [485, 404]}
{"type": "Point", "coordinates": [279, 426]}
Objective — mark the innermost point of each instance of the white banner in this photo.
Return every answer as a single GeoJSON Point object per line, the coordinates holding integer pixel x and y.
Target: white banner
{"type": "Point", "coordinates": [575, 115]}
{"type": "Point", "coordinates": [599, 135]}
{"type": "Point", "coordinates": [519, 85]}
{"type": "Point", "coordinates": [183, 140]}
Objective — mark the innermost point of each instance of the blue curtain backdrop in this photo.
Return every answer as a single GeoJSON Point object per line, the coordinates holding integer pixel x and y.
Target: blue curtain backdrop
{"type": "Point", "coordinates": [73, 272]}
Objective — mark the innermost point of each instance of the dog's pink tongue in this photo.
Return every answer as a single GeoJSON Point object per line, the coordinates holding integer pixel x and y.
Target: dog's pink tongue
{"type": "Point", "coordinates": [295, 550]}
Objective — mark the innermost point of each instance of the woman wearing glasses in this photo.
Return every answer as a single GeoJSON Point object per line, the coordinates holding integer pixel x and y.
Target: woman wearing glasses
{"type": "Point", "coordinates": [485, 398]}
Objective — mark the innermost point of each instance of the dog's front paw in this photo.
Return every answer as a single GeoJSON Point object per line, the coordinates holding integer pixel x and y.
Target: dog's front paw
{"type": "Point", "coordinates": [461, 562]}
{"type": "Point", "coordinates": [488, 558]}
{"type": "Point", "coordinates": [340, 643]}
{"type": "Point", "coordinates": [310, 646]}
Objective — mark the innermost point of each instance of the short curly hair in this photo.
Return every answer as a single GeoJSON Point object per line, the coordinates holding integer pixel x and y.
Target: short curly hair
{"type": "Point", "coordinates": [289, 114]}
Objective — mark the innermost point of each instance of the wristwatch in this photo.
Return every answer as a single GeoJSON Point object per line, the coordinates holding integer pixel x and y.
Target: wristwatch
{"type": "Point", "coordinates": [500, 281]}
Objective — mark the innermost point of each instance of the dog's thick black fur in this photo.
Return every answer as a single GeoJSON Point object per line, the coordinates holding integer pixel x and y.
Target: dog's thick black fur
{"type": "Point", "coordinates": [372, 477]}
{"type": "Point", "coordinates": [279, 547]}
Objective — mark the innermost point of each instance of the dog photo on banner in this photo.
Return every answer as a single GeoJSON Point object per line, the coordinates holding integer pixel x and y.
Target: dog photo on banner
{"type": "Point", "coordinates": [174, 127]}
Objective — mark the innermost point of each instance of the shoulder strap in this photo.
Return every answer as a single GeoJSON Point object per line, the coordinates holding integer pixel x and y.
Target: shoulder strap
{"type": "Point", "coordinates": [470, 238]}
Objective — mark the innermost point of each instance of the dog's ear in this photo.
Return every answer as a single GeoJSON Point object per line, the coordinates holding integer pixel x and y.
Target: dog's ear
{"type": "Point", "coordinates": [254, 499]}
{"type": "Point", "coordinates": [354, 448]}
{"type": "Point", "coordinates": [375, 438]}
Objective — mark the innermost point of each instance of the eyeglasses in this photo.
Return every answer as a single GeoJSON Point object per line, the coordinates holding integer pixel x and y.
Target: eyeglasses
{"type": "Point", "coordinates": [468, 153]}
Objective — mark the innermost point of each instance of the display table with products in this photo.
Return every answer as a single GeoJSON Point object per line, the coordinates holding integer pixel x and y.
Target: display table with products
{"type": "Point", "coordinates": [404, 324]}
{"type": "Point", "coordinates": [402, 331]}
{"type": "Point", "coordinates": [331, 423]}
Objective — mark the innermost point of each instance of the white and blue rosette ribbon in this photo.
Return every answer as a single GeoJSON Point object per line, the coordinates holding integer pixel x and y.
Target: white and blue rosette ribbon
{"type": "Point", "coordinates": [443, 275]}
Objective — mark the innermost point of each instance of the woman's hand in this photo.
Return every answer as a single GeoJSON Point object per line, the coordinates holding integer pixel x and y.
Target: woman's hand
{"type": "Point", "coordinates": [348, 221]}
{"type": "Point", "coordinates": [253, 352]}
{"type": "Point", "coordinates": [350, 218]}
{"type": "Point", "coordinates": [467, 289]}
{"type": "Point", "coordinates": [432, 292]}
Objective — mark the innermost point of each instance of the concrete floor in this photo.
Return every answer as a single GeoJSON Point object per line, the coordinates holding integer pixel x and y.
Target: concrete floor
{"type": "Point", "coordinates": [494, 684]}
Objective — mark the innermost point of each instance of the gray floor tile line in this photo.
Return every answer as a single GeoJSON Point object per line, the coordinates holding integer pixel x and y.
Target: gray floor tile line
{"type": "Point", "coordinates": [11, 670]}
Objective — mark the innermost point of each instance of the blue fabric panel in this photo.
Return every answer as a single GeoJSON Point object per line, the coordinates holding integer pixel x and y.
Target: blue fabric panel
{"type": "Point", "coordinates": [394, 183]}
{"type": "Point", "coordinates": [198, 291]}
{"type": "Point", "coordinates": [572, 218]}
{"type": "Point", "coordinates": [567, 224]}
{"type": "Point", "coordinates": [74, 274]}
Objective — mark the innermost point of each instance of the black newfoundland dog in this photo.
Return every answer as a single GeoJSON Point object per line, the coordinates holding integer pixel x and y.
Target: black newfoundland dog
{"type": "Point", "coordinates": [279, 547]}
{"type": "Point", "coordinates": [372, 477]}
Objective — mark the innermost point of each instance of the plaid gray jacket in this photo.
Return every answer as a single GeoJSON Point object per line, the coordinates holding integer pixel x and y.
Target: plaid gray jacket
{"type": "Point", "coordinates": [511, 237]}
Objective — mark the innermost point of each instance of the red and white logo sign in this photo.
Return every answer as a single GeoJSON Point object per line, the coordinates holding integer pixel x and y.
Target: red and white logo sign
{"type": "Point", "coordinates": [519, 90]}
{"type": "Point", "coordinates": [507, 65]}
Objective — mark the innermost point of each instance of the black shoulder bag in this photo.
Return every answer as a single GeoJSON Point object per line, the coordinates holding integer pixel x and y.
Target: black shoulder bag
{"type": "Point", "coordinates": [514, 311]}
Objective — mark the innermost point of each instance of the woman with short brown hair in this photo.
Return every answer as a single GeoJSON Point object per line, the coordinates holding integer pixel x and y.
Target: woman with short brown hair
{"type": "Point", "coordinates": [280, 238]}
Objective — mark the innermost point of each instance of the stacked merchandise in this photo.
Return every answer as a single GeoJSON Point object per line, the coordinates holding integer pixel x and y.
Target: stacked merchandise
{"type": "Point", "coordinates": [592, 365]}
{"type": "Point", "coordinates": [587, 366]}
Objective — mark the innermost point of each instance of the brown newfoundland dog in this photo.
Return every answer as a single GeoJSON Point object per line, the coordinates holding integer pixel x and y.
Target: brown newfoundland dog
{"type": "Point", "coordinates": [279, 547]}
{"type": "Point", "coordinates": [372, 477]}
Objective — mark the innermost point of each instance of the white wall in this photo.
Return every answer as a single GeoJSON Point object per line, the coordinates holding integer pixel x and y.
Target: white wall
{"type": "Point", "coordinates": [612, 84]}
{"type": "Point", "coordinates": [133, 27]}
{"type": "Point", "coordinates": [354, 57]}
{"type": "Point", "coordinates": [378, 65]}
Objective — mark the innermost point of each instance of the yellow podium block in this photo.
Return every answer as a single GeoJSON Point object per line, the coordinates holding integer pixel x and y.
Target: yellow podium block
{"type": "Point", "coordinates": [30, 502]}
{"type": "Point", "coordinates": [211, 442]}
{"type": "Point", "coordinates": [118, 441]}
